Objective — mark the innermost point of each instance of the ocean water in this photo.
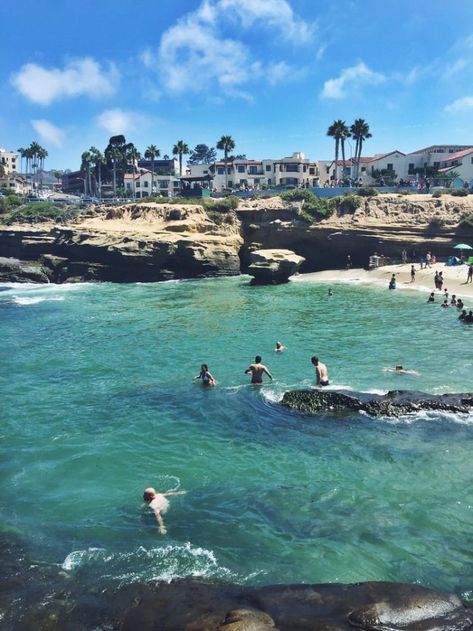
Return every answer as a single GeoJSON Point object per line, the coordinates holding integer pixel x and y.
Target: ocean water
{"type": "Point", "coordinates": [98, 403]}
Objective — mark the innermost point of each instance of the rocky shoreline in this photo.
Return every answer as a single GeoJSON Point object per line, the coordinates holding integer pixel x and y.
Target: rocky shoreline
{"type": "Point", "coordinates": [152, 242]}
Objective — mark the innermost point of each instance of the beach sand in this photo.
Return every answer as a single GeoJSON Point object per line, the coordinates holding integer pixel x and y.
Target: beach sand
{"type": "Point", "coordinates": [454, 278]}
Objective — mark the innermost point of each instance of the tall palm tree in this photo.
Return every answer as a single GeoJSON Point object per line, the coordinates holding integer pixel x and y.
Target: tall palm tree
{"type": "Point", "coordinates": [151, 153]}
{"type": "Point", "coordinates": [133, 155]}
{"type": "Point", "coordinates": [86, 159]}
{"type": "Point", "coordinates": [339, 131]}
{"type": "Point", "coordinates": [34, 149]}
{"type": "Point", "coordinates": [42, 155]}
{"type": "Point", "coordinates": [226, 144]}
{"type": "Point", "coordinates": [179, 149]}
{"type": "Point", "coordinates": [98, 159]}
{"type": "Point", "coordinates": [360, 130]}
{"type": "Point", "coordinates": [116, 156]}
{"type": "Point", "coordinates": [21, 151]}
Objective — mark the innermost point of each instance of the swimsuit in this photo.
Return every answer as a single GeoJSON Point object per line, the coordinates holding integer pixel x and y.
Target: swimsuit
{"type": "Point", "coordinates": [324, 382]}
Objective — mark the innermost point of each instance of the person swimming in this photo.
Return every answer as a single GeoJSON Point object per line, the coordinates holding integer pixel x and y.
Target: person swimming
{"type": "Point", "coordinates": [330, 292]}
{"type": "Point", "coordinates": [257, 371]}
{"type": "Point", "coordinates": [392, 282]}
{"type": "Point", "coordinates": [280, 348]}
{"type": "Point", "coordinates": [321, 372]}
{"type": "Point", "coordinates": [431, 298]}
{"type": "Point", "coordinates": [402, 371]}
{"type": "Point", "coordinates": [159, 504]}
{"type": "Point", "coordinates": [206, 377]}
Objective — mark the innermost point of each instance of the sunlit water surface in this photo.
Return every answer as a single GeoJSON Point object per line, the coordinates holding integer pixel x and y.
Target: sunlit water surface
{"type": "Point", "coordinates": [98, 403]}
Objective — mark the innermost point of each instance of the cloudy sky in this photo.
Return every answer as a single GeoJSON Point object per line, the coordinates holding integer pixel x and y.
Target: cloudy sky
{"type": "Point", "coordinates": [271, 73]}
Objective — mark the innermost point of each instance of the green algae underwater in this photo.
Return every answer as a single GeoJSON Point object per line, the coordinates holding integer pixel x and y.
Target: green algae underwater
{"type": "Point", "coordinates": [98, 403]}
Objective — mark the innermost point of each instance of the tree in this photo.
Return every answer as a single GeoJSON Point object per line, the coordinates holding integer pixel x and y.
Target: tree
{"type": "Point", "coordinates": [98, 160]}
{"type": "Point", "coordinates": [115, 155]}
{"type": "Point", "coordinates": [86, 159]}
{"type": "Point", "coordinates": [339, 131]}
{"type": "Point", "coordinates": [360, 130]}
{"type": "Point", "coordinates": [118, 163]}
{"type": "Point", "coordinates": [42, 155]}
{"type": "Point", "coordinates": [226, 144]}
{"type": "Point", "coordinates": [180, 149]}
{"type": "Point", "coordinates": [21, 151]}
{"type": "Point", "coordinates": [151, 153]}
{"type": "Point", "coordinates": [202, 154]}
{"type": "Point", "coordinates": [133, 155]}
{"type": "Point", "coordinates": [58, 175]}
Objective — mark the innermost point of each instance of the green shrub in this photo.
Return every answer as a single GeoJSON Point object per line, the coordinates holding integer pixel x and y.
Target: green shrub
{"type": "Point", "coordinates": [222, 218]}
{"type": "Point", "coordinates": [349, 203]}
{"type": "Point", "coordinates": [225, 204]}
{"type": "Point", "coordinates": [38, 212]}
{"type": "Point", "coordinates": [459, 192]}
{"type": "Point", "coordinates": [367, 191]}
{"type": "Point", "coordinates": [9, 202]}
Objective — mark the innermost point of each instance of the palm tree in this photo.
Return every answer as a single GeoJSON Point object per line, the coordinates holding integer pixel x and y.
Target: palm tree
{"type": "Point", "coordinates": [116, 156]}
{"type": "Point", "coordinates": [98, 159]}
{"type": "Point", "coordinates": [226, 144]}
{"type": "Point", "coordinates": [179, 149]}
{"type": "Point", "coordinates": [360, 130]}
{"type": "Point", "coordinates": [339, 131]}
{"type": "Point", "coordinates": [86, 159]}
{"type": "Point", "coordinates": [133, 155]}
{"type": "Point", "coordinates": [34, 149]}
{"type": "Point", "coordinates": [42, 155]}
{"type": "Point", "coordinates": [151, 153]}
{"type": "Point", "coordinates": [58, 175]}
{"type": "Point", "coordinates": [21, 151]}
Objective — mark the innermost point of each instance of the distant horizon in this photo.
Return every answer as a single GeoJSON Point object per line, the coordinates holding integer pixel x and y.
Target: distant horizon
{"type": "Point", "coordinates": [273, 75]}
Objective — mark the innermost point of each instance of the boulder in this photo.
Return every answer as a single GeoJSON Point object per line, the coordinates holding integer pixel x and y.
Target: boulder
{"type": "Point", "coordinates": [16, 271]}
{"type": "Point", "coordinates": [273, 266]}
{"type": "Point", "coordinates": [394, 403]}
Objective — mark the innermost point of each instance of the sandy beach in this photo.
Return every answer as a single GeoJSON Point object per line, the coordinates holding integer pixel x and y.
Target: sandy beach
{"type": "Point", "coordinates": [454, 278]}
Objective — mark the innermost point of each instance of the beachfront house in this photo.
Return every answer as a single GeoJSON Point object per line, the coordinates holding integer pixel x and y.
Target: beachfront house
{"type": "Point", "coordinates": [142, 184]}
{"type": "Point", "coordinates": [13, 183]}
{"type": "Point", "coordinates": [461, 163]}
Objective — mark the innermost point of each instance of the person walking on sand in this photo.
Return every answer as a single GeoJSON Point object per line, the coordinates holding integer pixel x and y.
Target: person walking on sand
{"type": "Point", "coordinates": [469, 278]}
{"type": "Point", "coordinates": [413, 274]}
{"type": "Point", "coordinates": [257, 371]}
{"type": "Point", "coordinates": [321, 372]}
{"type": "Point", "coordinates": [159, 504]}
{"type": "Point", "coordinates": [440, 281]}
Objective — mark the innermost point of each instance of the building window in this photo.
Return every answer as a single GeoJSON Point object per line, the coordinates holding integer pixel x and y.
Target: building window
{"type": "Point", "coordinates": [176, 184]}
{"type": "Point", "coordinates": [230, 183]}
{"type": "Point", "coordinates": [312, 171]}
{"type": "Point", "coordinates": [253, 170]}
{"type": "Point", "coordinates": [257, 180]}
{"type": "Point", "coordinates": [241, 168]}
{"type": "Point", "coordinates": [128, 185]}
{"type": "Point", "coordinates": [292, 168]}
{"type": "Point", "coordinates": [269, 182]}
{"type": "Point", "coordinates": [390, 167]}
{"type": "Point", "coordinates": [411, 168]}
{"type": "Point", "coordinates": [436, 165]}
{"type": "Point", "coordinates": [363, 169]}
{"type": "Point", "coordinates": [138, 185]}
{"type": "Point", "coordinates": [146, 184]}
{"type": "Point", "coordinates": [220, 170]}
{"type": "Point", "coordinates": [163, 183]}
{"type": "Point", "coordinates": [268, 167]}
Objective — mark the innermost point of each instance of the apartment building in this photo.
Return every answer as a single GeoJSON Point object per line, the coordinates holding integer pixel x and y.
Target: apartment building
{"type": "Point", "coordinates": [142, 184]}
{"type": "Point", "coordinates": [13, 183]}
{"type": "Point", "coordinates": [9, 161]}
{"type": "Point", "coordinates": [460, 162]}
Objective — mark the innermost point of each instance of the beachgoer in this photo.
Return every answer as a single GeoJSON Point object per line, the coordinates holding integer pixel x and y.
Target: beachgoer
{"type": "Point", "coordinates": [462, 315]}
{"type": "Point", "coordinates": [460, 304]}
{"type": "Point", "coordinates": [321, 372]}
{"type": "Point", "coordinates": [440, 281]}
{"type": "Point", "coordinates": [402, 371]}
{"type": "Point", "coordinates": [392, 282]}
{"type": "Point", "coordinates": [206, 377]}
{"type": "Point", "coordinates": [330, 292]}
{"type": "Point", "coordinates": [431, 298]}
{"type": "Point", "coordinates": [445, 293]}
{"type": "Point", "coordinates": [257, 370]}
{"type": "Point", "coordinates": [436, 280]}
{"type": "Point", "coordinates": [445, 304]}
{"type": "Point", "coordinates": [159, 504]}
{"type": "Point", "coordinates": [404, 256]}
{"type": "Point", "coordinates": [413, 274]}
{"type": "Point", "coordinates": [279, 347]}
{"type": "Point", "coordinates": [469, 278]}
{"type": "Point", "coordinates": [348, 261]}
{"type": "Point", "coordinates": [428, 259]}
{"type": "Point", "coordinates": [469, 318]}
{"type": "Point", "coordinates": [453, 300]}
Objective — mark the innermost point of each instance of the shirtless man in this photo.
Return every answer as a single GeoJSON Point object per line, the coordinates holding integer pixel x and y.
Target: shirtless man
{"type": "Point", "coordinates": [321, 372]}
{"type": "Point", "coordinates": [159, 504]}
{"type": "Point", "coordinates": [257, 370]}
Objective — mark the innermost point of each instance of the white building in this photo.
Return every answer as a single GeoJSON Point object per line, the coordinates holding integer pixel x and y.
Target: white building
{"type": "Point", "coordinates": [244, 174]}
{"type": "Point", "coordinates": [9, 161]}
{"type": "Point", "coordinates": [142, 184]}
{"type": "Point", "coordinates": [14, 183]}
{"type": "Point", "coordinates": [460, 162]}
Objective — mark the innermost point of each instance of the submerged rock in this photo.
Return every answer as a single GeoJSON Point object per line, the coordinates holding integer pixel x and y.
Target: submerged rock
{"type": "Point", "coordinates": [394, 403]}
{"type": "Point", "coordinates": [273, 266]}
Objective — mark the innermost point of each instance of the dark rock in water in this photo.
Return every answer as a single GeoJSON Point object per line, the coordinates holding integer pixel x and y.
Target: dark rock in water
{"type": "Point", "coordinates": [394, 403]}
{"type": "Point", "coordinates": [16, 271]}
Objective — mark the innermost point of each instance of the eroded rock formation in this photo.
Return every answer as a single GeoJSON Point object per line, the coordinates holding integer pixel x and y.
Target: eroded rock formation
{"type": "Point", "coordinates": [273, 266]}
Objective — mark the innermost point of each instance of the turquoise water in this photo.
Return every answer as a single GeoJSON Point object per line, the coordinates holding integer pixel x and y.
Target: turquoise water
{"type": "Point", "coordinates": [98, 403]}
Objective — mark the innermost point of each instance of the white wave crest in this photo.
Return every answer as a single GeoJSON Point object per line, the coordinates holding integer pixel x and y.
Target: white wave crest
{"type": "Point", "coordinates": [156, 564]}
{"type": "Point", "coordinates": [25, 300]}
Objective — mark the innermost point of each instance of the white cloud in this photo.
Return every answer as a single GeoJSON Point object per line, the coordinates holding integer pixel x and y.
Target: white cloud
{"type": "Point", "coordinates": [460, 105]}
{"type": "Point", "coordinates": [80, 77]}
{"type": "Point", "coordinates": [351, 78]}
{"type": "Point", "coordinates": [48, 132]}
{"type": "Point", "coordinates": [118, 121]}
{"type": "Point", "coordinates": [194, 55]}
{"type": "Point", "coordinates": [276, 14]}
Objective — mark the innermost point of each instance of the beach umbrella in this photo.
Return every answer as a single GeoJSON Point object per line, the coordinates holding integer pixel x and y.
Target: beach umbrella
{"type": "Point", "coordinates": [462, 246]}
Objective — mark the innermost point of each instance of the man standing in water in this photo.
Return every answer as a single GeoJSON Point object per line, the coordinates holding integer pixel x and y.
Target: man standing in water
{"type": "Point", "coordinates": [257, 370]}
{"type": "Point", "coordinates": [321, 372]}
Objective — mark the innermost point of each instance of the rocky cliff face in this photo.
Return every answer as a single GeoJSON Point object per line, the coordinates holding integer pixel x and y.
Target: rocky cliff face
{"type": "Point", "coordinates": [150, 242]}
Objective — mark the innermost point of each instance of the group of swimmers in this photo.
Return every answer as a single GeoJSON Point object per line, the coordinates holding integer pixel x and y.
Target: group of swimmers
{"type": "Point", "coordinates": [465, 316]}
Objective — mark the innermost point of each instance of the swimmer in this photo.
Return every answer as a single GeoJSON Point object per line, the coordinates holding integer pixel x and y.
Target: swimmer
{"type": "Point", "coordinates": [207, 378]}
{"type": "Point", "coordinates": [279, 347]}
{"type": "Point", "coordinates": [431, 298]}
{"type": "Point", "coordinates": [321, 372]}
{"type": "Point", "coordinates": [330, 292]}
{"type": "Point", "coordinates": [445, 304]}
{"type": "Point", "coordinates": [460, 304]}
{"type": "Point", "coordinates": [159, 504]}
{"type": "Point", "coordinates": [257, 370]}
{"type": "Point", "coordinates": [453, 300]}
{"type": "Point", "coordinates": [462, 315]}
{"type": "Point", "coordinates": [402, 371]}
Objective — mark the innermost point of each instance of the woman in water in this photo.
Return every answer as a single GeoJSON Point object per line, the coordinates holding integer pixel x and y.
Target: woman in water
{"type": "Point", "coordinates": [206, 377]}
{"type": "Point", "coordinates": [279, 348]}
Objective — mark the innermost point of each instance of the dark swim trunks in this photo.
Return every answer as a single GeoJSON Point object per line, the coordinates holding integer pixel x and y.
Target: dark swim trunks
{"type": "Point", "coordinates": [323, 383]}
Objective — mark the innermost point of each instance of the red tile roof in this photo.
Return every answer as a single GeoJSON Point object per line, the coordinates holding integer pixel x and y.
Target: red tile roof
{"type": "Point", "coordinates": [458, 154]}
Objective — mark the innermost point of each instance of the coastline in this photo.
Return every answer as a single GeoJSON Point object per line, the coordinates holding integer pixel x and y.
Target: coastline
{"type": "Point", "coordinates": [454, 278]}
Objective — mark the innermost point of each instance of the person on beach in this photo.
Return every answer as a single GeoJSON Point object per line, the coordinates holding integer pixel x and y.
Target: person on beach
{"type": "Point", "coordinates": [440, 281]}
{"type": "Point", "coordinates": [469, 278]}
{"type": "Point", "coordinates": [159, 504]}
{"type": "Point", "coordinates": [206, 377]}
{"type": "Point", "coordinates": [392, 282]}
{"type": "Point", "coordinates": [402, 371]}
{"type": "Point", "coordinates": [436, 280]}
{"type": "Point", "coordinates": [413, 274]}
{"type": "Point", "coordinates": [257, 371]}
{"type": "Point", "coordinates": [280, 348]}
{"type": "Point", "coordinates": [431, 298]}
{"type": "Point", "coordinates": [321, 372]}
{"type": "Point", "coordinates": [348, 261]}
{"type": "Point", "coordinates": [428, 259]}
{"type": "Point", "coordinates": [404, 256]}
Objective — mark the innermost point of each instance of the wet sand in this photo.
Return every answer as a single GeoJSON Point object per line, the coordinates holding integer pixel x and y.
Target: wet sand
{"type": "Point", "coordinates": [454, 278]}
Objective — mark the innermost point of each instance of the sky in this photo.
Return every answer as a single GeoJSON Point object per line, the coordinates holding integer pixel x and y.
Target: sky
{"type": "Point", "coordinates": [273, 74]}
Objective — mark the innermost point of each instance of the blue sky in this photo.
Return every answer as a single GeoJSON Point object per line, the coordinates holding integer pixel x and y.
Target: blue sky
{"type": "Point", "coordinates": [271, 73]}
